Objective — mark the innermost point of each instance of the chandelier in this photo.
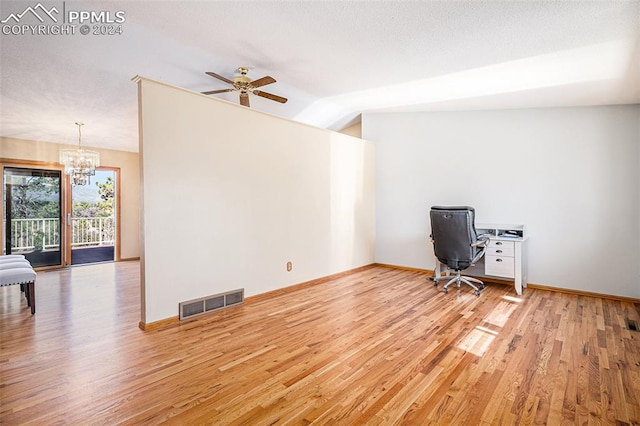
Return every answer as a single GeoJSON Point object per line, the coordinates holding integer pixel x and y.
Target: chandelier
{"type": "Point", "coordinates": [80, 164]}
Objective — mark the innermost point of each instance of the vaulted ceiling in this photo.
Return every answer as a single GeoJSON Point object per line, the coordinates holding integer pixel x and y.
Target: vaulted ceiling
{"type": "Point", "coordinates": [333, 60]}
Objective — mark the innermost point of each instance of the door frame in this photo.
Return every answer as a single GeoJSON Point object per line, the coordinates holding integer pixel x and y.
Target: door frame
{"type": "Point", "coordinates": [65, 208]}
{"type": "Point", "coordinates": [69, 209]}
{"type": "Point", "coordinates": [39, 165]}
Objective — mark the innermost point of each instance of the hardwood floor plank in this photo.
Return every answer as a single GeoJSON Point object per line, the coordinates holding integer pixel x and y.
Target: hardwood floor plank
{"type": "Point", "coordinates": [378, 346]}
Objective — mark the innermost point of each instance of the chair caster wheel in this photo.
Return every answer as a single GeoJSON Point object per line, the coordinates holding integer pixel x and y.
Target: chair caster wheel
{"type": "Point", "coordinates": [477, 292]}
{"type": "Point", "coordinates": [435, 283]}
{"type": "Point", "coordinates": [481, 285]}
{"type": "Point", "coordinates": [446, 290]}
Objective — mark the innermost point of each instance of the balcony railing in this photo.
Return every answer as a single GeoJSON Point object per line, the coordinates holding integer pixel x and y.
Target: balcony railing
{"type": "Point", "coordinates": [31, 234]}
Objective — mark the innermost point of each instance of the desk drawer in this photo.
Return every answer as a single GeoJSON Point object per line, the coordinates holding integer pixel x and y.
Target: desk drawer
{"type": "Point", "coordinates": [507, 250]}
{"type": "Point", "coordinates": [499, 266]}
{"type": "Point", "coordinates": [504, 245]}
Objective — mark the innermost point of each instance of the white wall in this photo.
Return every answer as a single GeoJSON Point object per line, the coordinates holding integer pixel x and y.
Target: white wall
{"type": "Point", "coordinates": [128, 162]}
{"type": "Point", "coordinates": [570, 174]}
{"type": "Point", "coordinates": [353, 130]}
{"type": "Point", "coordinates": [231, 195]}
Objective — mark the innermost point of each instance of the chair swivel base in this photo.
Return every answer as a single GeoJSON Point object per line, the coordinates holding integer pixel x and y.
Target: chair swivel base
{"type": "Point", "coordinates": [457, 279]}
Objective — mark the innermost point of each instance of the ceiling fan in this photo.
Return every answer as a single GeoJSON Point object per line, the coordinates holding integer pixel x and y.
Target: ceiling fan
{"type": "Point", "coordinates": [245, 85]}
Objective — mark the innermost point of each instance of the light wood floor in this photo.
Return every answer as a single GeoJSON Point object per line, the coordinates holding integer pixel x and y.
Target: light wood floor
{"type": "Point", "coordinates": [381, 346]}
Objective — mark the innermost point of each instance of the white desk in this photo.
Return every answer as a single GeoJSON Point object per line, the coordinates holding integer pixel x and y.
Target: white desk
{"type": "Point", "coordinates": [506, 255]}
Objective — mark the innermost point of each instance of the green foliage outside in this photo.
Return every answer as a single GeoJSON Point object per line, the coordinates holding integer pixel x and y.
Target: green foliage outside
{"type": "Point", "coordinates": [39, 198]}
{"type": "Point", "coordinates": [103, 208]}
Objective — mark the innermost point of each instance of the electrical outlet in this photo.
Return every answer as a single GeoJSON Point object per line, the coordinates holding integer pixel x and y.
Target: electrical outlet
{"type": "Point", "coordinates": [289, 266]}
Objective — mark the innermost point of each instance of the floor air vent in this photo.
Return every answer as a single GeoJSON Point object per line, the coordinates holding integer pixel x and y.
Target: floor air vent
{"type": "Point", "coordinates": [206, 304]}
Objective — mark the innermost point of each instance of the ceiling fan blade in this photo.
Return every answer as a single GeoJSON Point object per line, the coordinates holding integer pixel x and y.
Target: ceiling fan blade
{"type": "Point", "coordinates": [270, 96]}
{"type": "Point", "coordinates": [213, 92]}
{"type": "Point", "coordinates": [219, 77]}
{"type": "Point", "coordinates": [263, 81]}
{"type": "Point", "coordinates": [244, 99]}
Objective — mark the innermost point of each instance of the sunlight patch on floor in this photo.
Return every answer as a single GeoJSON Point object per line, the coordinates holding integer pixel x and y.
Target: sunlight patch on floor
{"type": "Point", "coordinates": [500, 314]}
{"type": "Point", "coordinates": [477, 341]}
{"type": "Point", "coordinates": [512, 299]}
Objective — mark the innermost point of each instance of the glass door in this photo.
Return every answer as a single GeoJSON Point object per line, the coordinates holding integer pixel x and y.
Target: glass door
{"type": "Point", "coordinates": [93, 219]}
{"type": "Point", "coordinates": [32, 214]}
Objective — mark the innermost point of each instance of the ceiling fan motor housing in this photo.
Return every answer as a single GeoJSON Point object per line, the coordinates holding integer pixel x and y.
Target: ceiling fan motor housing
{"type": "Point", "coordinates": [242, 79]}
{"type": "Point", "coordinates": [245, 85]}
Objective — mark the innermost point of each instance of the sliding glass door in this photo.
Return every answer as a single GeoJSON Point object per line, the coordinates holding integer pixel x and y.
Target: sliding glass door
{"type": "Point", "coordinates": [32, 214]}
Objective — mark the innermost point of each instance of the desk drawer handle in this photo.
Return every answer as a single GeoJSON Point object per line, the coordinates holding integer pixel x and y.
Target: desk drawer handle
{"type": "Point", "coordinates": [498, 260]}
{"type": "Point", "coordinates": [498, 243]}
{"type": "Point", "coordinates": [498, 251]}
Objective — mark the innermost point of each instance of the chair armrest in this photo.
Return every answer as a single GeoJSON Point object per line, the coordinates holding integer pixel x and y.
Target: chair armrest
{"type": "Point", "coordinates": [483, 242]}
{"type": "Point", "coordinates": [484, 238]}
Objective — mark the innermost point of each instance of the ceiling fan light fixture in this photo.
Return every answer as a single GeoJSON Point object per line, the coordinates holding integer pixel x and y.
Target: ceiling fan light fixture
{"type": "Point", "coordinates": [80, 164]}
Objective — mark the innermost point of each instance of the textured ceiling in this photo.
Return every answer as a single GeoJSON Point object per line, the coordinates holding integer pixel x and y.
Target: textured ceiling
{"type": "Point", "coordinates": [332, 59]}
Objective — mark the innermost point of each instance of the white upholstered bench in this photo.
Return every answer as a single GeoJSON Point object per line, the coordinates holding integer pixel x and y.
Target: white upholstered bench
{"type": "Point", "coordinates": [17, 271]}
{"type": "Point", "coordinates": [11, 257]}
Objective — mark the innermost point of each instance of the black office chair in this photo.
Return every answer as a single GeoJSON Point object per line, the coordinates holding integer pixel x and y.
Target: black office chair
{"type": "Point", "coordinates": [456, 243]}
